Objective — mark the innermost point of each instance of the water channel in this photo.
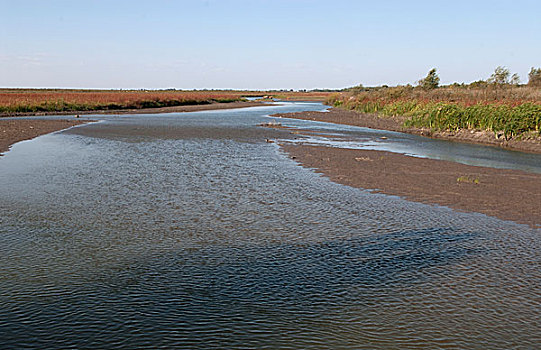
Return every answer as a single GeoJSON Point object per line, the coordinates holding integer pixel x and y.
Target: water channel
{"type": "Point", "coordinates": [189, 230]}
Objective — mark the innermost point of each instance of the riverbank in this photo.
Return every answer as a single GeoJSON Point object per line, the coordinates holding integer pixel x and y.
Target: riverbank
{"type": "Point", "coordinates": [174, 109]}
{"type": "Point", "coordinates": [15, 130]}
{"type": "Point", "coordinates": [347, 117]}
{"type": "Point", "coordinates": [506, 194]}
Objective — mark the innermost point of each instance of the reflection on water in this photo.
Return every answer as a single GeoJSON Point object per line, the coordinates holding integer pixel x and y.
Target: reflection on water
{"type": "Point", "coordinates": [190, 231]}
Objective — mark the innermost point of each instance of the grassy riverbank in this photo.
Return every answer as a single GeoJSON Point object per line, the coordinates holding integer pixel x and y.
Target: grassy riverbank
{"type": "Point", "coordinates": [511, 112]}
{"type": "Point", "coordinates": [14, 101]}
{"type": "Point", "coordinates": [25, 101]}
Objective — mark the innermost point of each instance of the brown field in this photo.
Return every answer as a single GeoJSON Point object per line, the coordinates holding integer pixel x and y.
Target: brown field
{"type": "Point", "coordinates": [14, 101]}
{"type": "Point", "coordinates": [467, 95]}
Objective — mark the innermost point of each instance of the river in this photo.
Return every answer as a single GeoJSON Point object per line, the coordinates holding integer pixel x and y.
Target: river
{"type": "Point", "coordinates": [189, 230]}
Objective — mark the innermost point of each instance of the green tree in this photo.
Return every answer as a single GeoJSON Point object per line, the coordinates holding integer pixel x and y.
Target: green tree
{"type": "Point", "coordinates": [515, 79]}
{"type": "Point", "coordinates": [357, 89]}
{"type": "Point", "coordinates": [500, 76]}
{"type": "Point", "coordinates": [431, 81]}
{"type": "Point", "coordinates": [534, 77]}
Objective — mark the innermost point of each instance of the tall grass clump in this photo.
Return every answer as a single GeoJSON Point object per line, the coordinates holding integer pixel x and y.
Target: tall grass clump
{"type": "Point", "coordinates": [449, 110]}
{"type": "Point", "coordinates": [512, 121]}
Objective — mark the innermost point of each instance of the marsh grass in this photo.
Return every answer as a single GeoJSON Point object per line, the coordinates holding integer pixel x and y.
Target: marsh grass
{"type": "Point", "coordinates": [510, 111]}
{"type": "Point", "coordinates": [13, 101]}
{"type": "Point", "coordinates": [32, 101]}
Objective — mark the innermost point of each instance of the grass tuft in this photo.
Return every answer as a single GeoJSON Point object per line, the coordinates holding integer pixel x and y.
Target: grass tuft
{"type": "Point", "coordinates": [468, 179]}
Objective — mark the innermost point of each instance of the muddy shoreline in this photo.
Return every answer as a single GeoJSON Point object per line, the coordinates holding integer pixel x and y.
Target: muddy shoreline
{"type": "Point", "coordinates": [342, 116]}
{"type": "Point", "coordinates": [16, 130]}
{"type": "Point", "coordinates": [506, 194]}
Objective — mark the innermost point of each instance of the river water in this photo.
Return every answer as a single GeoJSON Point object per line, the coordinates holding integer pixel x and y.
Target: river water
{"type": "Point", "coordinates": [189, 230]}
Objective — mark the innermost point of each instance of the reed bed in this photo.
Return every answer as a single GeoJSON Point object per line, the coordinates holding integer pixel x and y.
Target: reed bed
{"type": "Point", "coordinates": [511, 112]}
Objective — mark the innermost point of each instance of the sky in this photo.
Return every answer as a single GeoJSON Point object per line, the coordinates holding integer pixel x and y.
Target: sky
{"type": "Point", "coordinates": [262, 44]}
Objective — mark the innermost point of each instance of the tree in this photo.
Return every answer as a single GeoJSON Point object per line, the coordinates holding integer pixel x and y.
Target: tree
{"type": "Point", "coordinates": [357, 89]}
{"type": "Point", "coordinates": [515, 79]}
{"type": "Point", "coordinates": [431, 81]}
{"type": "Point", "coordinates": [500, 76]}
{"type": "Point", "coordinates": [534, 77]}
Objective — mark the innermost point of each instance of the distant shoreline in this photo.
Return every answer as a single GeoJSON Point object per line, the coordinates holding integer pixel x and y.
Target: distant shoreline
{"type": "Point", "coordinates": [174, 109]}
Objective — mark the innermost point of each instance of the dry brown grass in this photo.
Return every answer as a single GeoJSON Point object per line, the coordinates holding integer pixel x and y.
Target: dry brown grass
{"type": "Point", "coordinates": [511, 95]}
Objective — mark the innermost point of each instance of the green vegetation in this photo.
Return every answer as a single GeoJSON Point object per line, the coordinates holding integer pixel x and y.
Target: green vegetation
{"type": "Point", "coordinates": [64, 106]}
{"type": "Point", "coordinates": [499, 105]}
{"type": "Point", "coordinates": [431, 81]}
{"type": "Point", "coordinates": [534, 77]}
{"type": "Point", "coordinates": [468, 179]}
{"type": "Point", "coordinates": [502, 76]}
{"type": "Point", "coordinates": [509, 120]}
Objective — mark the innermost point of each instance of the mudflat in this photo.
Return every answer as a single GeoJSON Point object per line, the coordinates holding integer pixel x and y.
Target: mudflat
{"type": "Point", "coordinates": [15, 130]}
{"type": "Point", "coordinates": [505, 194]}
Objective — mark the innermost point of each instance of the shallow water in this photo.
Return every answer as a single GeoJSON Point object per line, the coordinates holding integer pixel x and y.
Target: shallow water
{"type": "Point", "coordinates": [346, 136]}
{"type": "Point", "coordinates": [190, 231]}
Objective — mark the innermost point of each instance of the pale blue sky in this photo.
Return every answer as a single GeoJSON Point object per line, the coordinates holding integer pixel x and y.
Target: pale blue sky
{"type": "Point", "coordinates": [262, 44]}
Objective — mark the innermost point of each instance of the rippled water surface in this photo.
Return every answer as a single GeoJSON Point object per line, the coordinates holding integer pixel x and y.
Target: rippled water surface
{"type": "Point", "coordinates": [191, 231]}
